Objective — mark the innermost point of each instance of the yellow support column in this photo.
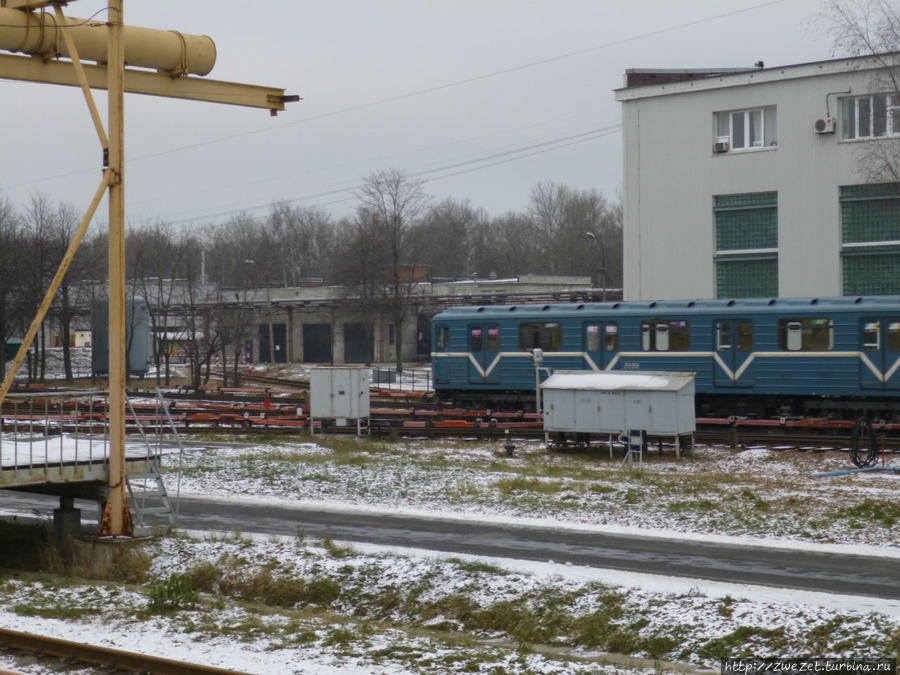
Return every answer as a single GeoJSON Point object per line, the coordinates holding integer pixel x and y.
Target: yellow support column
{"type": "Point", "coordinates": [116, 518]}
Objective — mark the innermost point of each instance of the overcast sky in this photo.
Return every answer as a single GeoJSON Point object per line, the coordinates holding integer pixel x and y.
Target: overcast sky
{"type": "Point", "coordinates": [436, 89]}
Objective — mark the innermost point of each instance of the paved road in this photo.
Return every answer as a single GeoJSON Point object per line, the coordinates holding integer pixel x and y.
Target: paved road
{"type": "Point", "coordinates": [814, 571]}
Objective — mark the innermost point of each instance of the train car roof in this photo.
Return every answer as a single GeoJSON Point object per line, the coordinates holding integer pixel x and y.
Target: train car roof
{"type": "Point", "coordinates": [666, 306]}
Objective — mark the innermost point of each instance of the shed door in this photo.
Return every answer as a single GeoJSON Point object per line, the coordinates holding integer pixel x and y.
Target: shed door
{"type": "Point", "coordinates": [733, 344]}
{"type": "Point", "coordinates": [880, 346]}
{"type": "Point", "coordinates": [484, 347]}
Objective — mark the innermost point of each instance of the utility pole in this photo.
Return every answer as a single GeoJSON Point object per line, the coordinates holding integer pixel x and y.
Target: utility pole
{"type": "Point", "coordinates": [26, 27]}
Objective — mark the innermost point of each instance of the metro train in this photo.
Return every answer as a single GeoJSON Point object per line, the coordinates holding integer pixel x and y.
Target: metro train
{"type": "Point", "coordinates": [756, 357]}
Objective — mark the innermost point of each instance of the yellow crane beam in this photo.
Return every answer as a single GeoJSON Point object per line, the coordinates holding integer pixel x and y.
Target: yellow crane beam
{"type": "Point", "coordinates": [30, 69]}
{"type": "Point", "coordinates": [45, 36]}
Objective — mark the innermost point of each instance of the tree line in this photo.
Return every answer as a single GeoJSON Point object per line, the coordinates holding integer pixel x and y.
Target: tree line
{"type": "Point", "coordinates": [395, 227]}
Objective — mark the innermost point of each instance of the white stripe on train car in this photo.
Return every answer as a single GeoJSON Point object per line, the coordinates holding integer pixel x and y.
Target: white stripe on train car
{"type": "Point", "coordinates": [733, 375]}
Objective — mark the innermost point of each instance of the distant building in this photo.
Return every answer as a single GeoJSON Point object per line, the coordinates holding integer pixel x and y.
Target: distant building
{"type": "Point", "coordinates": [324, 325]}
{"type": "Point", "coordinates": [754, 182]}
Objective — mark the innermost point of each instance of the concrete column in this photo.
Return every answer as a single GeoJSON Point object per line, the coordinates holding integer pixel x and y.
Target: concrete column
{"type": "Point", "coordinates": [66, 525]}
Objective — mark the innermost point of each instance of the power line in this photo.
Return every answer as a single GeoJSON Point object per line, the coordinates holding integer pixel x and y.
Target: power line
{"type": "Point", "coordinates": [426, 90]}
{"type": "Point", "coordinates": [537, 149]}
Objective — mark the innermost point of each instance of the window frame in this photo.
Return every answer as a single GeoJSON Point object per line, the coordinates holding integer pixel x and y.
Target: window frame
{"type": "Point", "coordinates": [675, 334]}
{"type": "Point", "coordinates": [548, 338]}
{"type": "Point", "coordinates": [767, 115]}
{"type": "Point", "coordinates": [442, 338]}
{"type": "Point", "coordinates": [851, 117]}
{"type": "Point", "coordinates": [806, 329]}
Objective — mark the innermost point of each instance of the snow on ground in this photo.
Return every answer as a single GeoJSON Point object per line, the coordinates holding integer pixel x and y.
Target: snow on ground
{"type": "Point", "coordinates": [751, 493]}
{"type": "Point", "coordinates": [403, 610]}
{"type": "Point", "coordinates": [371, 609]}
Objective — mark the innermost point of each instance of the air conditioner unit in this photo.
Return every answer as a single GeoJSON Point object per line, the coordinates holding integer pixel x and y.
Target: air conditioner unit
{"type": "Point", "coordinates": [824, 125]}
{"type": "Point", "coordinates": [722, 144]}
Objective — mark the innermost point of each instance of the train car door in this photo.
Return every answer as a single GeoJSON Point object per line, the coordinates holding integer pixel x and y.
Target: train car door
{"type": "Point", "coordinates": [601, 340]}
{"type": "Point", "coordinates": [484, 346]}
{"type": "Point", "coordinates": [733, 343]}
{"type": "Point", "coordinates": [880, 344]}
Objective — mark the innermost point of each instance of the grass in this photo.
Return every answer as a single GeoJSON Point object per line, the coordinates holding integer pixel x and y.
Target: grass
{"type": "Point", "coordinates": [883, 513]}
{"type": "Point", "coordinates": [320, 601]}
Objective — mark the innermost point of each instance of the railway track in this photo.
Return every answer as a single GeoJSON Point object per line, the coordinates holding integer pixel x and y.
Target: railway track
{"type": "Point", "coordinates": [247, 411]}
{"type": "Point", "coordinates": [111, 660]}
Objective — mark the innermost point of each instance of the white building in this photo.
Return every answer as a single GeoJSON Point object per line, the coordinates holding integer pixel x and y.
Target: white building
{"type": "Point", "coordinates": [753, 183]}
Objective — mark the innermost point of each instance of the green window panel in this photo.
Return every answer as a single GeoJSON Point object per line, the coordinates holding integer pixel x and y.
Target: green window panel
{"type": "Point", "coordinates": [745, 199]}
{"type": "Point", "coordinates": [872, 274]}
{"type": "Point", "coordinates": [747, 229]}
{"type": "Point", "coordinates": [746, 221]}
{"type": "Point", "coordinates": [747, 278]}
{"type": "Point", "coordinates": [870, 190]}
{"type": "Point", "coordinates": [870, 213]}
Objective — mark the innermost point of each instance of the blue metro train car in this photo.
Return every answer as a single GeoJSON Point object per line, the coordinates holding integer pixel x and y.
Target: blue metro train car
{"type": "Point", "coordinates": [767, 357]}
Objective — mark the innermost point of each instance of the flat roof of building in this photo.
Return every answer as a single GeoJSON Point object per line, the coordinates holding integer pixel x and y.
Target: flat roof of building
{"type": "Point", "coordinates": [649, 82]}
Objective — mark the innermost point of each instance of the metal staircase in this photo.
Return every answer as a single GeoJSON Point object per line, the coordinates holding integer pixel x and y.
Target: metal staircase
{"type": "Point", "coordinates": [151, 508]}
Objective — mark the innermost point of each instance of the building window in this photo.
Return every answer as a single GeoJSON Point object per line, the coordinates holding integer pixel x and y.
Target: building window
{"type": "Point", "coordinates": [870, 116]}
{"type": "Point", "coordinates": [538, 335]}
{"type": "Point", "coordinates": [665, 336]}
{"type": "Point", "coordinates": [746, 129]}
{"type": "Point", "coordinates": [746, 258]}
{"type": "Point", "coordinates": [870, 239]}
{"type": "Point", "coordinates": [807, 335]}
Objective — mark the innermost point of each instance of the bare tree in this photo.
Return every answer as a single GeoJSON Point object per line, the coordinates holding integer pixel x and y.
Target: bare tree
{"type": "Point", "coordinates": [11, 241]}
{"type": "Point", "coordinates": [443, 239]}
{"type": "Point", "coordinates": [391, 202]}
{"type": "Point", "coordinates": [870, 28]}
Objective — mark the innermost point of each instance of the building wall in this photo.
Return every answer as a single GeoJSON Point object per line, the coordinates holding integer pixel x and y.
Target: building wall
{"type": "Point", "coordinates": [671, 176]}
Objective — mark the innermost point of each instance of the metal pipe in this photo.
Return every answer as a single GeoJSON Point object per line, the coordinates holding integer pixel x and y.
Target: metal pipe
{"type": "Point", "coordinates": [168, 51]}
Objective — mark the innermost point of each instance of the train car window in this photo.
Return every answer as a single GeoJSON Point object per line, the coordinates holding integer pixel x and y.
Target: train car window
{"type": "Point", "coordinates": [808, 335]}
{"type": "Point", "coordinates": [871, 336]}
{"type": "Point", "coordinates": [723, 335]}
{"type": "Point", "coordinates": [493, 343]}
{"type": "Point", "coordinates": [475, 341]}
{"type": "Point", "coordinates": [679, 336]}
{"type": "Point", "coordinates": [612, 337]}
{"type": "Point", "coordinates": [592, 337]}
{"type": "Point", "coordinates": [794, 336]}
{"type": "Point", "coordinates": [745, 336]}
{"type": "Point", "coordinates": [443, 338]}
{"type": "Point", "coordinates": [893, 336]}
{"type": "Point", "coordinates": [662, 337]}
{"type": "Point", "coordinates": [540, 335]}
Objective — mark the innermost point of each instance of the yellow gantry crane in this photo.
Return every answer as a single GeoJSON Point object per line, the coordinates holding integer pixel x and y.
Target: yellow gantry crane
{"type": "Point", "coordinates": [160, 63]}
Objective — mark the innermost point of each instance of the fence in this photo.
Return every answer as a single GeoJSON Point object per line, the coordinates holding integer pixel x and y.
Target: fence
{"type": "Point", "coordinates": [61, 430]}
{"type": "Point", "coordinates": [409, 379]}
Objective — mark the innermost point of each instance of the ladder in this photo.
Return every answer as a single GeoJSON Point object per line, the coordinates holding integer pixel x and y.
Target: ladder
{"type": "Point", "coordinates": [151, 508]}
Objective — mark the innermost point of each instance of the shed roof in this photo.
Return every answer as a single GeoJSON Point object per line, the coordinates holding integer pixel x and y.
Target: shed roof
{"type": "Point", "coordinates": [618, 380]}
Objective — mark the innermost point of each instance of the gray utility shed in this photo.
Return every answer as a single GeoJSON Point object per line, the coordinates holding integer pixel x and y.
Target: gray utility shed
{"type": "Point", "coordinates": [582, 401]}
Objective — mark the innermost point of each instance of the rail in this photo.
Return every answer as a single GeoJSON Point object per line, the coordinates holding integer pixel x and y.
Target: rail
{"type": "Point", "coordinates": [104, 656]}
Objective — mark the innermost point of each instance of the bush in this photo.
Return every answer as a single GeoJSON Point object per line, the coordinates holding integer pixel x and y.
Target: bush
{"type": "Point", "coordinates": [174, 593]}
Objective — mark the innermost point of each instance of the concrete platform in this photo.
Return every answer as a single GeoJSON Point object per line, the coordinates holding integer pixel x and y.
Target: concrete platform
{"type": "Point", "coordinates": [63, 465]}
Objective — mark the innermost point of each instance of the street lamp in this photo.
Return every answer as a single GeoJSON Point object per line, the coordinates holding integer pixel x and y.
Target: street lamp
{"type": "Point", "coordinates": [601, 268]}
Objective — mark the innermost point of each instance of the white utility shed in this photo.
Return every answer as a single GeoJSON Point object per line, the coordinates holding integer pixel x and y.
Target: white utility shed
{"type": "Point", "coordinates": [584, 401]}
{"type": "Point", "coordinates": [339, 392]}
